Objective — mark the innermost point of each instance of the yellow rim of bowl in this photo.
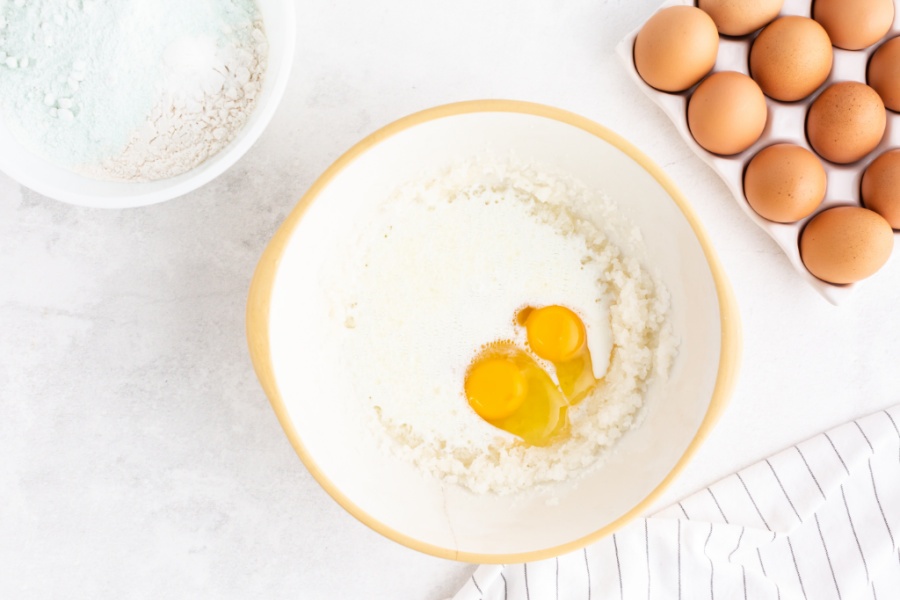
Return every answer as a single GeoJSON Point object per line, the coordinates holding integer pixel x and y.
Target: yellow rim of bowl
{"type": "Point", "coordinates": [263, 279]}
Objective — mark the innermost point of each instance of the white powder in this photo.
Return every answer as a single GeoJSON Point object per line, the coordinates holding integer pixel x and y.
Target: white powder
{"type": "Point", "coordinates": [441, 268]}
{"type": "Point", "coordinates": [129, 89]}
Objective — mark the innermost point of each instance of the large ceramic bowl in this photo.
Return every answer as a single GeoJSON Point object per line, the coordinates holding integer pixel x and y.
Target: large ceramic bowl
{"type": "Point", "coordinates": [394, 498]}
{"type": "Point", "coordinates": [62, 184]}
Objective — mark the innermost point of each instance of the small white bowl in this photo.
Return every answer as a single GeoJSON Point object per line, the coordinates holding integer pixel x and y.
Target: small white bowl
{"type": "Point", "coordinates": [394, 498]}
{"type": "Point", "coordinates": [62, 184]}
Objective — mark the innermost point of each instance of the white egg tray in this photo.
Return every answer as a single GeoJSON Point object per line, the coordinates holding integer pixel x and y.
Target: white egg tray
{"type": "Point", "coordinates": [786, 123]}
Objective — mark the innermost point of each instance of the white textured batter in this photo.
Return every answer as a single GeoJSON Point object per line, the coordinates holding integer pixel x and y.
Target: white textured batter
{"type": "Point", "coordinates": [442, 267]}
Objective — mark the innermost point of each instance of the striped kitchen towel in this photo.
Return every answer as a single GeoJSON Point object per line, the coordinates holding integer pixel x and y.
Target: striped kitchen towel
{"type": "Point", "coordinates": [818, 521]}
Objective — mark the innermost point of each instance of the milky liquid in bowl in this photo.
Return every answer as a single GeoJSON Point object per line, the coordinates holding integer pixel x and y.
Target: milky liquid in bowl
{"type": "Point", "coordinates": [62, 184]}
{"type": "Point", "coordinates": [786, 123]}
{"type": "Point", "coordinates": [322, 415]}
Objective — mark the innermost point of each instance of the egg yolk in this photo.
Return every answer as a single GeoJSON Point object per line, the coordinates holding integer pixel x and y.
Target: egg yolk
{"type": "Point", "coordinates": [555, 333]}
{"type": "Point", "coordinates": [508, 388]}
{"type": "Point", "coordinates": [496, 387]}
{"type": "Point", "coordinates": [558, 335]}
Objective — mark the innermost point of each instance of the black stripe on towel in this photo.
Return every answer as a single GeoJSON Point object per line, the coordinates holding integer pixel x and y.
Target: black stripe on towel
{"type": "Point", "coordinates": [865, 437]}
{"type": "Point", "coordinates": [828, 558]}
{"type": "Point", "coordinates": [840, 458]}
{"type": "Point", "coordinates": [679, 560]}
{"type": "Point", "coordinates": [647, 550]}
{"type": "Point", "coordinates": [881, 510]}
{"type": "Point", "coordinates": [525, 573]}
{"type": "Point", "coordinates": [875, 487]}
{"type": "Point", "coordinates": [796, 568]}
{"type": "Point", "coordinates": [738, 545]}
{"type": "Point", "coordinates": [752, 501]}
{"type": "Point", "coordinates": [855, 537]}
{"type": "Point", "coordinates": [731, 554]}
{"type": "Point", "coordinates": [783, 491]}
{"type": "Point", "coordinates": [712, 568]}
{"type": "Point", "coordinates": [762, 567]}
{"type": "Point", "coordinates": [811, 474]}
{"type": "Point", "coordinates": [477, 587]}
{"type": "Point", "coordinates": [587, 566]}
{"type": "Point", "coordinates": [618, 568]}
{"type": "Point", "coordinates": [893, 422]}
{"type": "Point", "coordinates": [721, 512]}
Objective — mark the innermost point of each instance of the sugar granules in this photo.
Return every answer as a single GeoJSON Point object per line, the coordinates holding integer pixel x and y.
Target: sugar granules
{"type": "Point", "coordinates": [129, 89]}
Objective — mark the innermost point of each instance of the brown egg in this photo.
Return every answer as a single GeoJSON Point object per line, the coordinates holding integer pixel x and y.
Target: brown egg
{"type": "Point", "coordinates": [785, 183]}
{"type": "Point", "coordinates": [727, 113]}
{"type": "Point", "coordinates": [881, 187]}
{"type": "Point", "coordinates": [791, 58]}
{"type": "Point", "coordinates": [676, 48]}
{"type": "Point", "coordinates": [846, 122]}
{"type": "Point", "coordinates": [846, 244]}
{"type": "Point", "coordinates": [884, 73]}
{"type": "Point", "coordinates": [856, 24]}
{"type": "Point", "coordinates": [740, 17]}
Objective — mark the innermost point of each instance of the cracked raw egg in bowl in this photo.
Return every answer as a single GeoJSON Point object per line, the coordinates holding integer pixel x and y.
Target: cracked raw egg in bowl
{"type": "Point", "coordinates": [507, 386]}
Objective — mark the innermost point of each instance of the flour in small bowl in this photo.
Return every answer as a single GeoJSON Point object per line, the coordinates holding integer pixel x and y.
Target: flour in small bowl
{"type": "Point", "coordinates": [129, 90]}
{"type": "Point", "coordinates": [439, 270]}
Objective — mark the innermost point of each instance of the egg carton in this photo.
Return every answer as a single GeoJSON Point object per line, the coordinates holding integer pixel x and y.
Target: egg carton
{"type": "Point", "coordinates": [786, 122]}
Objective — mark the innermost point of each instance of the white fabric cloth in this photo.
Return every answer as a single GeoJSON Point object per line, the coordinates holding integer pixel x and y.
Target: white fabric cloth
{"type": "Point", "coordinates": [817, 521]}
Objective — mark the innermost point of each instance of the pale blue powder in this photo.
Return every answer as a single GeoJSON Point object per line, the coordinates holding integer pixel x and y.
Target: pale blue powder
{"type": "Point", "coordinates": [77, 77]}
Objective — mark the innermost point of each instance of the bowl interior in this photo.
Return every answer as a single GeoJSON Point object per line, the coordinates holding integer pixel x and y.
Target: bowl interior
{"type": "Point", "coordinates": [392, 496]}
{"type": "Point", "coordinates": [60, 183]}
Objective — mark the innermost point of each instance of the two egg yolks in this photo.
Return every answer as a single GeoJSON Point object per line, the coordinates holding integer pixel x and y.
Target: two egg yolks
{"type": "Point", "coordinates": [507, 387]}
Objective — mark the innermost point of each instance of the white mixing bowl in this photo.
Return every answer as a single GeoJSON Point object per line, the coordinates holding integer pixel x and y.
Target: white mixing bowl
{"type": "Point", "coordinates": [57, 182]}
{"type": "Point", "coordinates": [394, 498]}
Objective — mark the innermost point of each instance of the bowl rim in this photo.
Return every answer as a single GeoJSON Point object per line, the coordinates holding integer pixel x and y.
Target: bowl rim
{"type": "Point", "coordinates": [215, 165]}
{"type": "Point", "coordinates": [259, 298]}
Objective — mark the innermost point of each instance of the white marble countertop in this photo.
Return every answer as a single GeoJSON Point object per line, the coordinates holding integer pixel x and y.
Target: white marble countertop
{"type": "Point", "coordinates": [138, 456]}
